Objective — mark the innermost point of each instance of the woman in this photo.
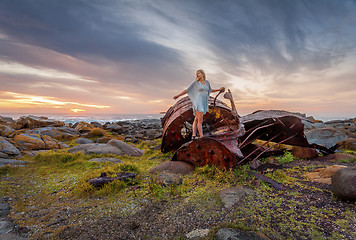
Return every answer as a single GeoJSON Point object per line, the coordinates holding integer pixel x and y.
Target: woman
{"type": "Point", "coordinates": [198, 93]}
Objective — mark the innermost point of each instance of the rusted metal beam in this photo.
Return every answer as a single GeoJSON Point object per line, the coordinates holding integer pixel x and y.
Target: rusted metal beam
{"type": "Point", "coordinates": [288, 126]}
{"type": "Point", "coordinates": [252, 152]}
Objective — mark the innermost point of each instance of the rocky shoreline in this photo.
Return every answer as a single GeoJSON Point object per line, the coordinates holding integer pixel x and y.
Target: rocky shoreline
{"type": "Point", "coordinates": [30, 135]}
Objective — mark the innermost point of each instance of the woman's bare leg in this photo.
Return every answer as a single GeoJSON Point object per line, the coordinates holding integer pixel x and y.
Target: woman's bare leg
{"type": "Point", "coordinates": [199, 118]}
{"type": "Point", "coordinates": [194, 132]}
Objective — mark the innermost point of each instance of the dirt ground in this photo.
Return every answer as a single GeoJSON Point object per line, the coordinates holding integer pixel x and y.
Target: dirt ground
{"type": "Point", "coordinates": [172, 220]}
{"type": "Point", "coordinates": [307, 210]}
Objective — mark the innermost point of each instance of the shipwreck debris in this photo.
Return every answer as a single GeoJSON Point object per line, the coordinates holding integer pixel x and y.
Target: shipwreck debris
{"type": "Point", "coordinates": [103, 179]}
{"type": "Point", "coordinates": [274, 183]}
{"type": "Point", "coordinates": [230, 140]}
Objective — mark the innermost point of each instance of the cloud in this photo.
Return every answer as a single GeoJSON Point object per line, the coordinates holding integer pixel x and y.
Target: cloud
{"type": "Point", "coordinates": [18, 98]}
{"type": "Point", "coordinates": [20, 69]}
{"type": "Point", "coordinates": [139, 53]}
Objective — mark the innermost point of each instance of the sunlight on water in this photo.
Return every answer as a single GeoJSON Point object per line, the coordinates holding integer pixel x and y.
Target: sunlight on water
{"type": "Point", "coordinates": [101, 118]}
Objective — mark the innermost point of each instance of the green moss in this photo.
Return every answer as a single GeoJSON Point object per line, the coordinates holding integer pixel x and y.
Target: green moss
{"type": "Point", "coordinates": [286, 158]}
{"type": "Point", "coordinates": [54, 182]}
{"type": "Point", "coordinates": [7, 169]}
{"type": "Point", "coordinates": [350, 160]}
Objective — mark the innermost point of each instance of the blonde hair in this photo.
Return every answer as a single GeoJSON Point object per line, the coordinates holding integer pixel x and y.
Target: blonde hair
{"type": "Point", "coordinates": [201, 71]}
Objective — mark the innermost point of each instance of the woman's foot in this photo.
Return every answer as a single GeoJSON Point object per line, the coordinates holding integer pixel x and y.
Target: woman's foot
{"type": "Point", "coordinates": [194, 137]}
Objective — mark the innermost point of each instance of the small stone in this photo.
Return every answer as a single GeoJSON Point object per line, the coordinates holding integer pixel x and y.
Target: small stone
{"type": "Point", "coordinates": [231, 196]}
{"type": "Point", "coordinates": [169, 179]}
{"type": "Point", "coordinates": [197, 234]}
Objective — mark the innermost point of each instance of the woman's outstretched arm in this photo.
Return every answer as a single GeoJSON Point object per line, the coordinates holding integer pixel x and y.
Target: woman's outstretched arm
{"type": "Point", "coordinates": [222, 89]}
{"type": "Point", "coordinates": [181, 94]}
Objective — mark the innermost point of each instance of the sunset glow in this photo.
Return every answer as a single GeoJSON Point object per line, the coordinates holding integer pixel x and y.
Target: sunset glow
{"type": "Point", "coordinates": [132, 57]}
{"type": "Point", "coordinates": [77, 110]}
{"type": "Point", "coordinates": [25, 100]}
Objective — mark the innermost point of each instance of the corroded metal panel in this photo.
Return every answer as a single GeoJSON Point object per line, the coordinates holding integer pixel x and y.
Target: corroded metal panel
{"type": "Point", "coordinates": [179, 118]}
{"type": "Point", "coordinates": [206, 151]}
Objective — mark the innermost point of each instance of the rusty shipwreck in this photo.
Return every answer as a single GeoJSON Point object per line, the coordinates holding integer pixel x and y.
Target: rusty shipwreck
{"type": "Point", "coordinates": [229, 140]}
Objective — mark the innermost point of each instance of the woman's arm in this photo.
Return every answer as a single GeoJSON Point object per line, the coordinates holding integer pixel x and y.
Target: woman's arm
{"type": "Point", "coordinates": [222, 89]}
{"type": "Point", "coordinates": [181, 94]}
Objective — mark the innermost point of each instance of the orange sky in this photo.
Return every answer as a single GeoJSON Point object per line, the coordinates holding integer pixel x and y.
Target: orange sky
{"type": "Point", "coordinates": [133, 58]}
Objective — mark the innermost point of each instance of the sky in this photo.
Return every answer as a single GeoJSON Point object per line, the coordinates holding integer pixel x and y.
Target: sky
{"type": "Point", "coordinates": [131, 56]}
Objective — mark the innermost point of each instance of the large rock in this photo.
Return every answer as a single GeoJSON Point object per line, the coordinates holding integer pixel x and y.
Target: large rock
{"type": "Point", "coordinates": [36, 122]}
{"type": "Point", "coordinates": [177, 167]}
{"type": "Point", "coordinates": [49, 131]}
{"type": "Point", "coordinates": [304, 152]}
{"type": "Point", "coordinates": [348, 125]}
{"type": "Point", "coordinates": [236, 234]}
{"type": "Point", "coordinates": [126, 148]}
{"type": "Point", "coordinates": [308, 125]}
{"type": "Point", "coordinates": [97, 148]}
{"type": "Point", "coordinates": [82, 141]}
{"type": "Point", "coordinates": [6, 120]}
{"type": "Point", "coordinates": [84, 127]}
{"type": "Point", "coordinates": [68, 133]}
{"type": "Point", "coordinates": [59, 133]}
{"type": "Point", "coordinates": [29, 142]}
{"type": "Point", "coordinates": [114, 128]}
{"type": "Point", "coordinates": [6, 131]}
{"type": "Point", "coordinates": [103, 139]}
{"type": "Point", "coordinates": [343, 183]}
{"type": "Point", "coordinates": [335, 157]}
{"type": "Point", "coordinates": [153, 133]}
{"type": "Point", "coordinates": [347, 144]}
{"type": "Point", "coordinates": [36, 142]}
{"type": "Point", "coordinates": [326, 137]}
{"type": "Point", "coordinates": [231, 196]}
{"type": "Point", "coordinates": [97, 132]}
{"type": "Point", "coordinates": [324, 175]}
{"type": "Point", "coordinates": [7, 150]}
{"type": "Point", "coordinates": [96, 124]}
{"type": "Point", "coordinates": [12, 162]}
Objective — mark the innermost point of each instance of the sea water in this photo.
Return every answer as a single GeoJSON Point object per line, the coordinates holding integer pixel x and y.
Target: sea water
{"type": "Point", "coordinates": [103, 118]}
{"type": "Point", "coordinates": [73, 118]}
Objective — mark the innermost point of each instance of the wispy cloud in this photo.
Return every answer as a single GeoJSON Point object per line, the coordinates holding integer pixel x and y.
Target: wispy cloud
{"type": "Point", "coordinates": [19, 98]}
{"type": "Point", "coordinates": [271, 54]}
{"type": "Point", "coordinates": [20, 69]}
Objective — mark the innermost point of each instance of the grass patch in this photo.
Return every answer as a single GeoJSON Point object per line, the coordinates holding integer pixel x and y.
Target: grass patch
{"type": "Point", "coordinates": [54, 187]}
{"type": "Point", "coordinates": [7, 169]}
{"type": "Point", "coordinates": [286, 158]}
{"type": "Point", "coordinates": [350, 160]}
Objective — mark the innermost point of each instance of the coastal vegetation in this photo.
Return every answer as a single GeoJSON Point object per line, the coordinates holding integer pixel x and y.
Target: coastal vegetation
{"type": "Point", "coordinates": [51, 198]}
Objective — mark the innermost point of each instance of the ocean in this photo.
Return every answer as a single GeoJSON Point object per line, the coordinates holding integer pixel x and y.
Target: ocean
{"type": "Point", "coordinates": [103, 118]}
{"type": "Point", "coordinates": [73, 118]}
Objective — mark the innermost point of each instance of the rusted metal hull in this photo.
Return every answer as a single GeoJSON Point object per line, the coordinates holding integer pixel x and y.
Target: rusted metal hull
{"type": "Point", "coordinates": [178, 119]}
{"type": "Point", "coordinates": [229, 139]}
{"type": "Point", "coordinates": [206, 151]}
{"type": "Point", "coordinates": [281, 128]}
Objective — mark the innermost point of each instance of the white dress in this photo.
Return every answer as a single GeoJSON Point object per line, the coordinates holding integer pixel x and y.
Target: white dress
{"type": "Point", "coordinates": [199, 95]}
